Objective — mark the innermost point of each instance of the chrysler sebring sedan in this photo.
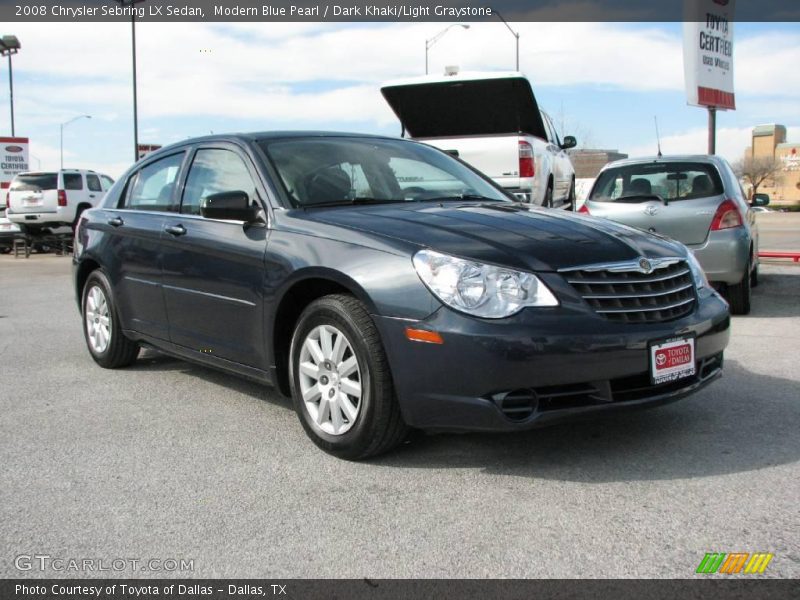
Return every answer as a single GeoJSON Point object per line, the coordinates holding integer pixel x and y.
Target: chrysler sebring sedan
{"type": "Point", "coordinates": [385, 285]}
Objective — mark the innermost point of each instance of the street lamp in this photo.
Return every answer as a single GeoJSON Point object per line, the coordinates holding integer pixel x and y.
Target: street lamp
{"type": "Point", "coordinates": [429, 43]}
{"type": "Point", "coordinates": [123, 4]}
{"type": "Point", "coordinates": [9, 45]}
{"type": "Point", "coordinates": [514, 33]}
{"type": "Point", "coordinates": [62, 134]}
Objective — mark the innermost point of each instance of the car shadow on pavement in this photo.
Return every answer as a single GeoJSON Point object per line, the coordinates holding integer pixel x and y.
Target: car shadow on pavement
{"type": "Point", "coordinates": [154, 361]}
{"type": "Point", "coordinates": [744, 422]}
{"type": "Point", "coordinates": [776, 295]}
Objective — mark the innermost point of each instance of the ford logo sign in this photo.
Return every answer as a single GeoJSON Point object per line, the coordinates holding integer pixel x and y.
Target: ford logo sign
{"type": "Point", "coordinates": [14, 148]}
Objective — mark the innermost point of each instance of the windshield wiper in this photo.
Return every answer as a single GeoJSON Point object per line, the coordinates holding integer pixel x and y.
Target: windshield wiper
{"type": "Point", "coordinates": [459, 197]}
{"type": "Point", "coordinates": [357, 200]}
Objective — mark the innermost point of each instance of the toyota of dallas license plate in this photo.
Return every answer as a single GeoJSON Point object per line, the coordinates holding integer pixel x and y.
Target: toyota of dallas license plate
{"type": "Point", "coordinates": [671, 360]}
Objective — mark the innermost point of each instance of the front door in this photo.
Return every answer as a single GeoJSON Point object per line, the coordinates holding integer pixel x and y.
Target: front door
{"type": "Point", "coordinates": [213, 269]}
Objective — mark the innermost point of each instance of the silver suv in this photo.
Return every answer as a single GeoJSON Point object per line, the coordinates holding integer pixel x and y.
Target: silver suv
{"type": "Point", "coordinates": [48, 200]}
{"type": "Point", "coordinates": [696, 200]}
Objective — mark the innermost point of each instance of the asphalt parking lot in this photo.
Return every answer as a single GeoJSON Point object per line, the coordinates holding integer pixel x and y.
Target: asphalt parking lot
{"type": "Point", "coordinates": [168, 460]}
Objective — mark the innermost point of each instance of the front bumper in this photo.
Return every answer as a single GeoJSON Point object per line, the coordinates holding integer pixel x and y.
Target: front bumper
{"type": "Point", "coordinates": [724, 255]}
{"type": "Point", "coordinates": [540, 366]}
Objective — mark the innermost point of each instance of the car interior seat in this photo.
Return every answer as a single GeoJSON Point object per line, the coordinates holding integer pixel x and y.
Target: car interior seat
{"type": "Point", "coordinates": [331, 184]}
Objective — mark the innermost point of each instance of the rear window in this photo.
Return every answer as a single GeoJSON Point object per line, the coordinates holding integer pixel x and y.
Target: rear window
{"type": "Point", "coordinates": [73, 181]}
{"type": "Point", "coordinates": [34, 182]}
{"type": "Point", "coordinates": [668, 181]}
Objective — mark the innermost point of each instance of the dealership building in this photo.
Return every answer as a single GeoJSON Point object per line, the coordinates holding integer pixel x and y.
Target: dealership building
{"type": "Point", "coordinates": [769, 141]}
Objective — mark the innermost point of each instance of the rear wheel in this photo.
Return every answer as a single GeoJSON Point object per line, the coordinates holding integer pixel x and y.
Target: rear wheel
{"type": "Point", "coordinates": [754, 276]}
{"type": "Point", "coordinates": [101, 325]}
{"type": "Point", "coordinates": [739, 294]}
{"type": "Point", "coordinates": [341, 384]}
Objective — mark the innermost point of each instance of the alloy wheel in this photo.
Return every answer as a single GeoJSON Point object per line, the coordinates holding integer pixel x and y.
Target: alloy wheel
{"type": "Point", "coordinates": [98, 321]}
{"type": "Point", "coordinates": [330, 380]}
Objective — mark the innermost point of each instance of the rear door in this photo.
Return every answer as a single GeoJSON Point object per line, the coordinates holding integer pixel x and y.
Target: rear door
{"type": "Point", "coordinates": [676, 199]}
{"type": "Point", "coordinates": [214, 269]}
{"type": "Point", "coordinates": [94, 189]}
{"type": "Point", "coordinates": [136, 227]}
{"type": "Point", "coordinates": [33, 193]}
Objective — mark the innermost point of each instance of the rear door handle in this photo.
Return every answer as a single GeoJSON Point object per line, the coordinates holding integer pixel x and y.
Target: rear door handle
{"type": "Point", "coordinates": [116, 222]}
{"type": "Point", "coordinates": [176, 230]}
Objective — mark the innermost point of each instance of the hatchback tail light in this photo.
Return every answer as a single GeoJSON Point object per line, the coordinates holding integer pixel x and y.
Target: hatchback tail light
{"type": "Point", "coordinates": [584, 209]}
{"type": "Point", "coordinates": [726, 217]}
{"type": "Point", "coordinates": [62, 198]}
{"type": "Point", "coordinates": [526, 168]}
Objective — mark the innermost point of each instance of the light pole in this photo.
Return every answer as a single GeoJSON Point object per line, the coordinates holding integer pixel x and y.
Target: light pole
{"type": "Point", "coordinates": [514, 33]}
{"type": "Point", "coordinates": [62, 133]}
{"type": "Point", "coordinates": [123, 4]}
{"type": "Point", "coordinates": [9, 45]}
{"type": "Point", "coordinates": [429, 43]}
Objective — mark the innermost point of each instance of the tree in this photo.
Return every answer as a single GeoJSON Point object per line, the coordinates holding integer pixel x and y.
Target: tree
{"type": "Point", "coordinates": [757, 170]}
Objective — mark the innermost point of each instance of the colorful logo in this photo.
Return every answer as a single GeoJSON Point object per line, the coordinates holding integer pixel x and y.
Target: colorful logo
{"type": "Point", "coordinates": [14, 148]}
{"type": "Point", "coordinates": [735, 562]}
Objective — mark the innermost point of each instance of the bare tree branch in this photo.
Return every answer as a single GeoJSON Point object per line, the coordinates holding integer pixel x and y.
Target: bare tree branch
{"type": "Point", "coordinates": [757, 170]}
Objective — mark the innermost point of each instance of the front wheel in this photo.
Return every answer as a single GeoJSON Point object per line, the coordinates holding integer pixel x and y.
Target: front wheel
{"type": "Point", "coordinates": [341, 385]}
{"type": "Point", "coordinates": [548, 196]}
{"type": "Point", "coordinates": [101, 325]}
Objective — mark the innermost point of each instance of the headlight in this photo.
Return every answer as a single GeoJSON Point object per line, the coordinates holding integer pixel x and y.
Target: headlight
{"type": "Point", "coordinates": [700, 280]}
{"type": "Point", "coordinates": [478, 289]}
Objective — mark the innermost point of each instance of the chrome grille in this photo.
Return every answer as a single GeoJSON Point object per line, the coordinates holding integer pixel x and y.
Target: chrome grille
{"type": "Point", "coordinates": [661, 290]}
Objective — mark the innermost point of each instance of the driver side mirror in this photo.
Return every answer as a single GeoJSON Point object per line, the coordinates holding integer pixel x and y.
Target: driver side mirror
{"type": "Point", "coordinates": [569, 142]}
{"type": "Point", "coordinates": [229, 206]}
{"type": "Point", "coordinates": [760, 200]}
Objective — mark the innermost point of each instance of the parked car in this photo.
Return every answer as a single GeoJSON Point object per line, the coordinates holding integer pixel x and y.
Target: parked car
{"type": "Point", "coordinates": [8, 233]}
{"type": "Point", "coordinates": [43, 201]}
{"type": "Point", "coordinates": [493, 122]}
{"type": "Point", "coordinates": [696, 200]}
{"type": "Point", "coordinates": [382, 302]}
{"type": "Point", "coordinates": [761, 209]}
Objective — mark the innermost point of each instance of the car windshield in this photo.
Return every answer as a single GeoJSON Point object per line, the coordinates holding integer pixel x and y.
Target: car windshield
{"type": "Point", "coordinates": [669, 181]}
{"type": "Point", "coordinates": [34, 182]}
{"type": "Point", "coordinates": [343, 170]}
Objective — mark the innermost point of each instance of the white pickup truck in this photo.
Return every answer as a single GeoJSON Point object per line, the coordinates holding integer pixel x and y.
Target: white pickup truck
{"type": "Point", "coordinates": [492, 122]}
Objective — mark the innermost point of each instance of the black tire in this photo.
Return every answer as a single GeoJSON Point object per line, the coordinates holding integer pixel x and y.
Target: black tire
{"type": "Point", "coordinates": [119, 350]}
{"type": "Point", "coordinates": [571, 197]}
{"type": "Point", "coordinates": [754, 276]}
{"type": "Point", "coordinates": [739, 295]}
{"type": "Point", "coordinates": [378, 425]}
{"type": "Point", "coordinates": [548, 196]}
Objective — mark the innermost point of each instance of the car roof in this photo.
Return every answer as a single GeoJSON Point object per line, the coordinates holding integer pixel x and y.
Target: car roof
{"type": "Point", "coordinates": [258, 136]}
{"type": "Point", "coordinates": [667, 158]}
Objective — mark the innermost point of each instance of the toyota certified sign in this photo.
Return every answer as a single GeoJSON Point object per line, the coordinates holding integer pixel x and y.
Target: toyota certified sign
{"type": "Point", "coordinates": [708, 53]}
{"type": "Point", "coordinates": [13, 158]}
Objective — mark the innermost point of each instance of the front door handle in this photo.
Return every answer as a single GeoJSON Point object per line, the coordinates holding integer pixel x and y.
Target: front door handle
{"type": "Point", "coordinates": [116, 222]}
{"type": "Point", "coordinates": [176, 230]}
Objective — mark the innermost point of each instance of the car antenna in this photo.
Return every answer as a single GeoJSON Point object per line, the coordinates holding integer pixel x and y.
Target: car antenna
{"type": "Point", "coordinates": [658, 137]}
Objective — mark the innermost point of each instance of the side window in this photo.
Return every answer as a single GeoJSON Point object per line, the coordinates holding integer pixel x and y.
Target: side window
{"type": "Point", "coordinates": [107, 182]}
{"type": "Point", "coordinates": [73, 181]}
{"type": "Point", "coordinates": [93, 183]}
{"type": "Point", "coordinates": [214, 171]}
{"type": "Point", "coordinates": [152, 187]}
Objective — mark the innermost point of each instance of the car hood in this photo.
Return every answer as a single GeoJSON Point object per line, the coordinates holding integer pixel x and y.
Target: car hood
{"type": "Point", "coordinates": [507, 234]}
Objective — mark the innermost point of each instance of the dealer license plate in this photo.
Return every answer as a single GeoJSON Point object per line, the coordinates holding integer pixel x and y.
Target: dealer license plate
{"type": "Point", "coordinates": [672, 360]}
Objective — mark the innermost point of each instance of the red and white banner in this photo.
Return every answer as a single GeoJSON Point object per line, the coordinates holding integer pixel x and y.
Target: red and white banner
{"type": "Point", "coordinates": [13, 158]}
{"type": "Point", "coordinates": [708, 53]}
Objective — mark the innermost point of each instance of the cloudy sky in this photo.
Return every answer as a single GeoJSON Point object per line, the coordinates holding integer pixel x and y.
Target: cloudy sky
{"type": "Point", "coordinates": [603, 82]}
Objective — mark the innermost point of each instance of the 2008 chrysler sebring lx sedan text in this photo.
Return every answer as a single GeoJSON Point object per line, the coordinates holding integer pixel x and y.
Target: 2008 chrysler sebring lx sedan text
{"type": "Point", "coordinates": [385, 285]}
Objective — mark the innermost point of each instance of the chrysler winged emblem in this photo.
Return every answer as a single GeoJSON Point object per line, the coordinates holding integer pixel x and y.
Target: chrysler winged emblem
{"type": "Point", "coordinates": [645, 266]}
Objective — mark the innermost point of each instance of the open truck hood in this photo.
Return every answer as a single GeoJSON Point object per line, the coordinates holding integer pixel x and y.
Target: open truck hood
{"type": "Point", "coordinates": [465, 105]}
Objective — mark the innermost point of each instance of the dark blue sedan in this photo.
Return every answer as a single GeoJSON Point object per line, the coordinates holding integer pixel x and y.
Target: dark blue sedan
{"type": "Point", "coordinates": [384, 285]}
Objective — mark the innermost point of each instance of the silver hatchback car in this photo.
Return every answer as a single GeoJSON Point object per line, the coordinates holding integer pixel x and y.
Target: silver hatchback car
{"type": "Point", "coordinates": [696, 200]}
